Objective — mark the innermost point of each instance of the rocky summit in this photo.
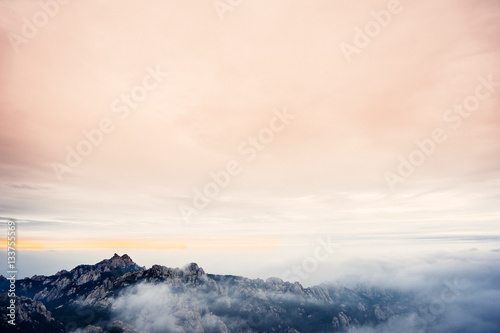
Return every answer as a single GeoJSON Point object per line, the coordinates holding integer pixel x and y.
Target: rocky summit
{"type": "Point", "coordinates": [118, 296]}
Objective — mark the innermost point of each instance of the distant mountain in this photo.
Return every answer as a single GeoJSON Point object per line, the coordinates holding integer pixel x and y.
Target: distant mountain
{"type": "Point", "coordinates": [118, 296]}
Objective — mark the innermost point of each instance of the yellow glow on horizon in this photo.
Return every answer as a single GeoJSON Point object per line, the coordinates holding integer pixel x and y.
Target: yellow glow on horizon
{"type": "Point", "coordinates": [25, 245]}
{"type": "Point", "coordinates": [239, 243]}
{"type": "Point", "coordinates": [82, 244]}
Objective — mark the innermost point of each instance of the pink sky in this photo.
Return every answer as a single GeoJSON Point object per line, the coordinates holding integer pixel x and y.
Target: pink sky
{"type": "Point", "coordinates": [322, 174]}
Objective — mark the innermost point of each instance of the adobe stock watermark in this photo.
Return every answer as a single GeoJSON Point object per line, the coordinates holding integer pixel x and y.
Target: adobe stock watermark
{"type": "Point", "coordinates": [437, 306]}
{"type": "Point", "coordinates": [248, 150]}
{"type": "Point", "coordinates": [223, 6]}
{"type": "Point", "coordinates": [11, 270]}
{"type": "Point", "coordinates": [122, 106]}
{"type": "Point", "coordinates": [301, 272]}
{"type": "Point", "coordinates": [40, 19]}
{"type": "Point", "coordinates": [427, 146]}
{"type": "Point", "coordinates": [372, 29]}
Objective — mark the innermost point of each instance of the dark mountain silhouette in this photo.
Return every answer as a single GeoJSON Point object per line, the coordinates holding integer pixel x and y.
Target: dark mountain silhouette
{"type": "Point", "coordinates": [118, 296]}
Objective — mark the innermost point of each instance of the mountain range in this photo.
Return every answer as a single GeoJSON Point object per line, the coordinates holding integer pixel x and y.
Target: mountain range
{"type": "Point", "coordinates": [118, 296]}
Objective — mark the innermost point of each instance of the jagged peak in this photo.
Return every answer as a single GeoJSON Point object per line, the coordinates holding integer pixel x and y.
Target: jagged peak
{"type": "Point", "coordinates": [192, 266]}
{"type": "Point", "coordinates": [274, 280]}
{"type": "Point", "coordinates": [115, 262]}
{"type": "Point", "coordinates": [117, 258]}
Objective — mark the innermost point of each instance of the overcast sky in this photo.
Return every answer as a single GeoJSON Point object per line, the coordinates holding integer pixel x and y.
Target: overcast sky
{"type": "Point", "coordinates": [216, 76]}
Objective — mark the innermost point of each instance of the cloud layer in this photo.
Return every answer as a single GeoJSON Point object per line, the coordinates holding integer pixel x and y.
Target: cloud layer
{"type": "Point", "coordinates": [437, 295]}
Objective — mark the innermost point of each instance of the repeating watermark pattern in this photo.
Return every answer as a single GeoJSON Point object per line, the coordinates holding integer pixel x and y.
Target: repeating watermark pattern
{"type": "Point", "coordinates": [427, 146]}
{"type": "Point", "coordinates": [121, 106]}
{"type": "Point", "coordinates": [11, 270]}
{"type": "Point", "coordinates": [221, 7]}
{"type": "Point", "coordinates": [372, 29]}
{"type": "Point", "coordinates": [249, 150]}
{"type": "Point", "coordinates": [437, 306]}
{"type": "Point", "coordinates": [31, 26]}
{"type": "Point", "coordinates": [301, 272]}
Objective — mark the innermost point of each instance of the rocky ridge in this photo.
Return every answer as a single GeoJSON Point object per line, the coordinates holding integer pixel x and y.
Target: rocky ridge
{"type": "Point", "coordinates": [90, 298]}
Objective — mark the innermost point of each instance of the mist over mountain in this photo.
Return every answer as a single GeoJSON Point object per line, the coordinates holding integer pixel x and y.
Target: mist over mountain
{"type": "Point", "coordinates": [118, 296]}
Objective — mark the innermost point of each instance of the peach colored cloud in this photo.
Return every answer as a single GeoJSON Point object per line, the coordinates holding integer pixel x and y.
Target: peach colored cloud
{"type": "Point", "coordinates": [225, 79]}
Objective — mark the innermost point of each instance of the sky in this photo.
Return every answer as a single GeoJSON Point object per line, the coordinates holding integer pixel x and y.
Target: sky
{"type": "Point", "coordinates": [242, 135]}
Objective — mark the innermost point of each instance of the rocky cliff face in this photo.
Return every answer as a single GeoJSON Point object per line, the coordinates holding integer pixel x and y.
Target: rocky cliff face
{"type": "Point", "coordinates": [116, 295]}
{"type": "Point", "coordinates": [31, 316]}
{"type": "Point", "coordinates": [85, 284]}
